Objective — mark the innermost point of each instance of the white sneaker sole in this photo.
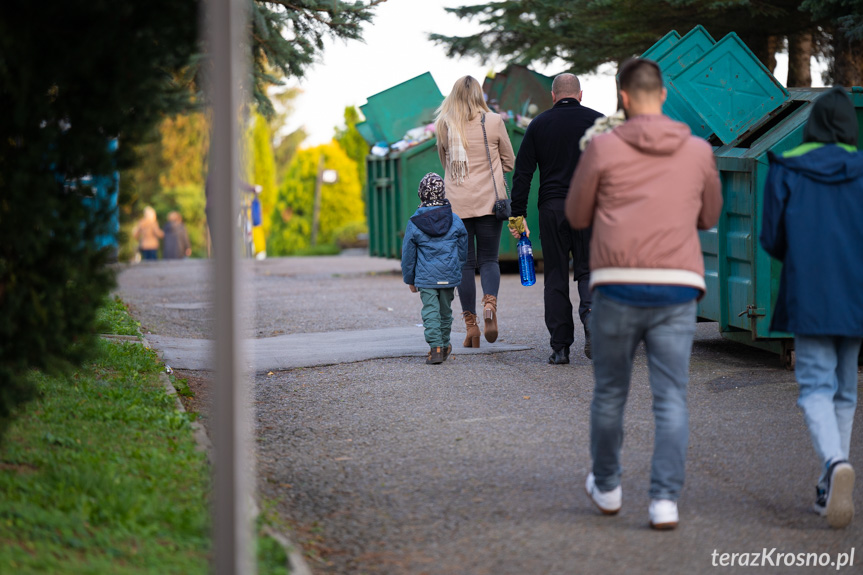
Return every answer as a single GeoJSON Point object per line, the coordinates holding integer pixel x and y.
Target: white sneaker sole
{"type": "Point", "coordinates": [663, 526]}
{"type": "Point", "coordinates": [840, 503]}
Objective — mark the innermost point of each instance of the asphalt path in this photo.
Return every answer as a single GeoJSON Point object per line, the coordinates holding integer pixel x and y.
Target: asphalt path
{"type": "Point", "coordinates": [382, 464]}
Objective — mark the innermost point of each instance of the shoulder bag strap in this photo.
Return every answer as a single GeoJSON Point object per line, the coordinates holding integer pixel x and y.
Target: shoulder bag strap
{"type": "Point", "coordinates": [488, 154]}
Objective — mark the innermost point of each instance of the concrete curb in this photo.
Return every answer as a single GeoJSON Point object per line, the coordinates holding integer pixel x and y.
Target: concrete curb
{"type": "Point", "coordinates": [296, 563]}
{"type": "Point", "coordinates": [115, 337]}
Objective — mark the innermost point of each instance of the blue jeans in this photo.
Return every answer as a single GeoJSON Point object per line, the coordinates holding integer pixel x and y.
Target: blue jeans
{"type": "Point", "coordinates": [149, 255]}
{"type": "Point", "coordinates": [667, 333]}
{"type": "Point", "coordinates": [826, 370]}
{"type": "Point", "coordinates": [483, 245]}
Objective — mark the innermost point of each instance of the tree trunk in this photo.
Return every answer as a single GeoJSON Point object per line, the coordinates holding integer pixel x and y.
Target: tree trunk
{"type": "Point", "coordinates": [772, 47]}
{"type": "Point", "coordinates": [800, 48]}
{"type": "Point", "coordinates": [847, 67]}
{"type": "Point", "coordinates": [760, 46]}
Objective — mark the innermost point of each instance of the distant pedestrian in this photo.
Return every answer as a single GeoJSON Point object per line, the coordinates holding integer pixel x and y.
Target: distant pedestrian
{"type": "Point", "coordinates": [475, 151]}
{"type": "Point", "coordinates": [433, 254]}
{"type": "Point", "coordinates": [551, 143]}
{"type": "Point", "coordinates": [646, 187]}
{"type": "Point", "coordinates": [148, 233]}
{"type": "Point", "coordinates": [175, 245]}
{"type": "Point", "coordinates": [813, 223]}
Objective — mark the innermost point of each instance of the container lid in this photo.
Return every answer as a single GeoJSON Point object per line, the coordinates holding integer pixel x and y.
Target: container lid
{"type": "Point", "coordinates": [391, 113]}
{"type": "Point", "coordinates": [675, 58]}
{"type": "Point", "coordinates": [729, 88]}
{"type": "Point", "coordinates": [662, 45]}
{"type": "Point", "coordinates": [686, 51]}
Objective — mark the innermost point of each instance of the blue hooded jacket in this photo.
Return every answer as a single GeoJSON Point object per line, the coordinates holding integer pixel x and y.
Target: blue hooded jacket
{"type": "Point", "coordinates": [434, 249]}
{"type": "Point", "coordinates": [813, 222]}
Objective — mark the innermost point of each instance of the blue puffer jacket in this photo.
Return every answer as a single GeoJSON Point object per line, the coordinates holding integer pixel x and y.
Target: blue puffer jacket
{"type": "Point", "coordinates": [813, 223]}
{"type": "Point", "coordinates": [434, 249]}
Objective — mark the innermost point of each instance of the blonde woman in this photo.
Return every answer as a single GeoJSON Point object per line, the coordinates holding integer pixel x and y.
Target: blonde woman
{"type": "Point", "coordinates": [471, 191]}
{"type": "Point", "coordinates": [148, 233]}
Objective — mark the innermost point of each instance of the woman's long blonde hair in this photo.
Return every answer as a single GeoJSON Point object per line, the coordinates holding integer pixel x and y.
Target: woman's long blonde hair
{"type": "Point", "coordinates": [464, 102]}
{"type": "Point", "coordinates": [150, 214]}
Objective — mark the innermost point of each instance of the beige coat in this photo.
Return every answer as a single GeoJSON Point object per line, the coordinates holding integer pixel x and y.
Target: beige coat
{"type": "Point", "coordinates": [475, 196]}
{"type": "Point", "coordinates": [148, 233]}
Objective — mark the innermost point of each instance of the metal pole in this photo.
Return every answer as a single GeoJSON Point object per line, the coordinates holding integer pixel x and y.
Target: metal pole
{"type": "Point", "coordinates": [232, 553]}
{"type": "Point", "coordinates": [316, 213]}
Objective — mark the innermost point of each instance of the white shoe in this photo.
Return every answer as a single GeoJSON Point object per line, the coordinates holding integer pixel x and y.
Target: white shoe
{"type": "Point", "coordinates": [663, 514]}
{"type": "Point", "coordinates": [608, 502]}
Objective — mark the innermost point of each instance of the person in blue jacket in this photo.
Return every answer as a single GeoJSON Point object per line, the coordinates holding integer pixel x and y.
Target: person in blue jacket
{"type": "Point", "coordinates": [813, 223]}
{"type": "Point", "coordinates": [433, 254]}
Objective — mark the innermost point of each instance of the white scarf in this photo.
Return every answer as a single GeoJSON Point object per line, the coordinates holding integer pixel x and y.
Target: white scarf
{"type": "Point", "coordinates": [458, 166]}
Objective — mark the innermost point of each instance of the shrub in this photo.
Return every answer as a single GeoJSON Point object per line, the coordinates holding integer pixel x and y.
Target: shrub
{"type": "Point", "coordinates": [341, 202]}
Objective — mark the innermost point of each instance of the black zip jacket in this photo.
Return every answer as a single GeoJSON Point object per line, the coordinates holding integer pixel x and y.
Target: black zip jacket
{"type": "Point", "coordinates": [551, 141]}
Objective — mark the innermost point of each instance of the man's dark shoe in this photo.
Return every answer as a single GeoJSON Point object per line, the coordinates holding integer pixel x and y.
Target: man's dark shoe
{"type": "Point", "coordinates": [588, 351]}
{"type": "Point", "coordinates": [559, 356]}
{"type": "Point", "coordinates": [435, 356]}
{"type": "Point", "coordinates": [447, 350]}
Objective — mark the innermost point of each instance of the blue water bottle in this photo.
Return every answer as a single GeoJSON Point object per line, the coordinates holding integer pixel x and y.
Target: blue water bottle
{"type": "Point", "coordinates": [525, 261]}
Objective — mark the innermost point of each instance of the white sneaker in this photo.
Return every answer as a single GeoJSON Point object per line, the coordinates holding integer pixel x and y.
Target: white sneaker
{"type": "Point", "coordinates": [663, 514]}
{"type": "Point", "coordinates": [608, 502]}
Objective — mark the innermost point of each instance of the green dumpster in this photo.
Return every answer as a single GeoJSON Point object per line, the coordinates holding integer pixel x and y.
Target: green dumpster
{"type": "Point", "coordinates": [745, 113]}
{"type": "Point", "coordinates": [394, 174]}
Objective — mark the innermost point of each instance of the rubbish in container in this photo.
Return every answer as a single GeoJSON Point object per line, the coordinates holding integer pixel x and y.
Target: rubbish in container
{"type": "Point", "coordinates": [420, 134]}
{"type": "Point", "coordinates": [522, 121]}
{"type": "Point", "coordinates": [380, 149]}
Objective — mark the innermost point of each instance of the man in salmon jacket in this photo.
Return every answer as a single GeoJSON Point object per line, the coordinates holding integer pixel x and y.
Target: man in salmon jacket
{"type": "Point", "coordinates": [646, 187]}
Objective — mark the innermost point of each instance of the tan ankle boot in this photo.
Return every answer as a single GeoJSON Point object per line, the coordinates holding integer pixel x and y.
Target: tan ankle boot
{"type": "Point", "coordinates": [472, 339]}
{"type": "Point", "coordinates": [489, 314]}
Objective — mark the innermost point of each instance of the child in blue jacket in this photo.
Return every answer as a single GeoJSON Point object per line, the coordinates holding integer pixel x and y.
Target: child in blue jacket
{"type": "Point", "coordinates": [433, 253]}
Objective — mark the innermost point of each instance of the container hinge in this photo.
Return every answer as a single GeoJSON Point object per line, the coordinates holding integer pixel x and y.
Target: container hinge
{"type": "Point", "coordinates": [752, 311]}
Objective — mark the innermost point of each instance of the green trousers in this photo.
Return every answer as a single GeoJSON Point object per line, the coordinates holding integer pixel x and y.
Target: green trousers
{"type": "Point", "coordinates": [437, 315]}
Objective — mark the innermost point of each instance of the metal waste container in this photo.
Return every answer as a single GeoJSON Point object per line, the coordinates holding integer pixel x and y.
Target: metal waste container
{"type": "Point", "coordinates": [398, 163]}
{"type": "Point", "coordinates": [727, 96]}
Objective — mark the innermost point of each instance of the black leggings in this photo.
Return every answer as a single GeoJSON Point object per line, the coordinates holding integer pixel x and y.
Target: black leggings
{"type": "Point", "coordinates": [483, 245]}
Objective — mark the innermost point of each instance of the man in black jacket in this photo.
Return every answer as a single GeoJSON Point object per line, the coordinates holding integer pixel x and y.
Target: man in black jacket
{"type": "Point", "coordinates": [551, 143]}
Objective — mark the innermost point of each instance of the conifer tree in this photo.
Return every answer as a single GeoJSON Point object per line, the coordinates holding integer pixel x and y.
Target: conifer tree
{"type": "Point", "coordinates": [585, 35]}
{"type": "Point", "coordinates": [288, 35]}
{"type": "Point", "coordinates": [75, 76]}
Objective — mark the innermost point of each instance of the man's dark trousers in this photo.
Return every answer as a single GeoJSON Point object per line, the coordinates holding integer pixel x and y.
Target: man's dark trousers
{"type": "Point", "coordinates": [558, 241]}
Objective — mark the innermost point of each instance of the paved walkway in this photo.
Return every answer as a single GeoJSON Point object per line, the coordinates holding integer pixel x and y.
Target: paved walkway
{"type": "Point", "coordinates": [384, 465]}
{"type": "Point", "coordinates": [315, 349]}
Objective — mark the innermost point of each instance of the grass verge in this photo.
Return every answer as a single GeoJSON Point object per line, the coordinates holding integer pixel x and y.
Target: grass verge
{"type": "Point", "coordinates": [100, 475]}
{"type": "Point", "coordinates": [113, 318]}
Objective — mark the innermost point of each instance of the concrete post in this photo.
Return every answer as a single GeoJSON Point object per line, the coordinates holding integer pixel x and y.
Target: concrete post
{"type": "Point", "coordinates": [232, 528]}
